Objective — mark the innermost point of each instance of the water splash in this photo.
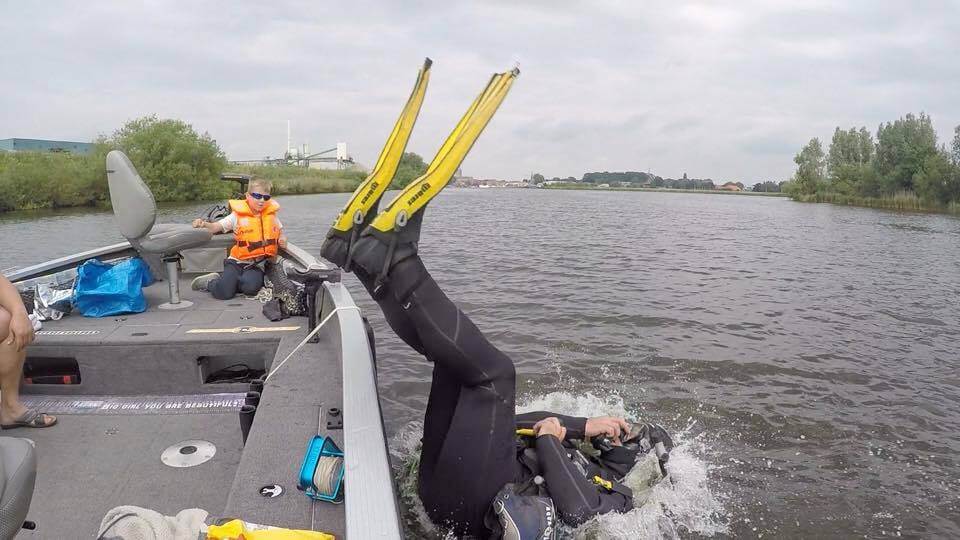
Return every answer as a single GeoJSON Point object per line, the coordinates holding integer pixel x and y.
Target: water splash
{"type": "Point", "coordinates": [684, 505]}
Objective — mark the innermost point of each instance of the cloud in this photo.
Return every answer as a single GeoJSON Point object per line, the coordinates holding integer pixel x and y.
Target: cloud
{"type": "Point", "coordinates": [714, 90]}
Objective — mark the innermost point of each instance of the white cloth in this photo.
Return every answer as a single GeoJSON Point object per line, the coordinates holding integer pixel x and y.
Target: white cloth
{"type": "Point", "coordinates": [35, 321]}
{"type": "Point", "coordinates": [135, 523]}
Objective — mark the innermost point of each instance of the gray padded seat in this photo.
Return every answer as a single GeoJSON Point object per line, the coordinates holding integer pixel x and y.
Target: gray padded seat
{"type": "Point", "coordinates": [136, 213]}
{"type": "Point", "coordinates": [18, 473]}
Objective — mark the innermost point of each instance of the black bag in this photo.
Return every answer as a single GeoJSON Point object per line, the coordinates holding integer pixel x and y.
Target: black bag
{"type": "Point", "coordinates": [292, 294]}
{"type": "Point", "coordinates": [28, 298]}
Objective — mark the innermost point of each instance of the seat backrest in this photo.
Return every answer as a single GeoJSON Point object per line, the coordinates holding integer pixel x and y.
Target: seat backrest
{"type": "Point", "coordinates": [133, 202]}
{"type": "Point", "coordinates": [19, 472]}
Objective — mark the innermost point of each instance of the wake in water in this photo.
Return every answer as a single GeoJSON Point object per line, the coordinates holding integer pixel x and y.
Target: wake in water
{"type": "Point", "coordinates": [683, 504]}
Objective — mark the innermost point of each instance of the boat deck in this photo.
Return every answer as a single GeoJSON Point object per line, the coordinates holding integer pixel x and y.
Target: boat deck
{"type": "Point", "coordinates": [142, 390]}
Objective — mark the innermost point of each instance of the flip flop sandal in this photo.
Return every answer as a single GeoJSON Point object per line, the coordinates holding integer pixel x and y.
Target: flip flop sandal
{"type": "Point", "coordinates": [30, 419]}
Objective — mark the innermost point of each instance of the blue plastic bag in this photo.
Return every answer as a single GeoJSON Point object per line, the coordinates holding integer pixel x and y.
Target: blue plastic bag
{"type": "Point", "coordinates": [105, 289]}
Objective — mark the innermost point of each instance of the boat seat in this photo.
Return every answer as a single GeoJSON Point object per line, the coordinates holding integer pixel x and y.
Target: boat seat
{"type": "Point", "coordinates": [18, 473]}
{"type": "Point", "coordinates": [136, 213]}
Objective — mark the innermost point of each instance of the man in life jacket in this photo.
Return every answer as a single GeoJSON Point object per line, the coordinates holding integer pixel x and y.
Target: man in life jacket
{"type": "Point", "coordinates": [259, 236]}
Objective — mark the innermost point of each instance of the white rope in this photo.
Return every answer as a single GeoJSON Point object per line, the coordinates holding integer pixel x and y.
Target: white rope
{"type": "Point", "coordinates": [326, 473]}
{"type": "Point", "coordinates": [310, 335]}
{"type": "Point", "coordinates": [264, 295]}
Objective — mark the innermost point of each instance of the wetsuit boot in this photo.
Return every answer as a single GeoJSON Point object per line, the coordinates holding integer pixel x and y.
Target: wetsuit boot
{"type": "Point", "coordinates": [362, 206]}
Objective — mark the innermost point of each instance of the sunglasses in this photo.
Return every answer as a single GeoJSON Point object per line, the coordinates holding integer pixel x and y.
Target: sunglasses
{"type": "Point", "coordinates": [260, 196]}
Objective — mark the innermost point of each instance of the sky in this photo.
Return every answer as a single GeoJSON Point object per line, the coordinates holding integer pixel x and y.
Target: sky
{"type": "Point", "coordinates": [729, 91]}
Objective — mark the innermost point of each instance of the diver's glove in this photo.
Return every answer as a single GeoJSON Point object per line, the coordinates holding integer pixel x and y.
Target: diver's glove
{"type": "Point", "coordinates": [642, 439]}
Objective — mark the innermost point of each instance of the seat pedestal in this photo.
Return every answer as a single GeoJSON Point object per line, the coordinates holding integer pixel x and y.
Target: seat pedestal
{"type": "Point", "coordinates": [172, 262]}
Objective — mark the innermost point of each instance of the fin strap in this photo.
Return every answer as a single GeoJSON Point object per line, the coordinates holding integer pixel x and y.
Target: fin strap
{"type": "Point", "coordinates": [381, 280]}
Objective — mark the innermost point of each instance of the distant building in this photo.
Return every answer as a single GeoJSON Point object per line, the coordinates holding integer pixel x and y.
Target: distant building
{"type": "Point", "coordinates": [40, 145]}
{"type": "Point", "coordinates": [730, 186]}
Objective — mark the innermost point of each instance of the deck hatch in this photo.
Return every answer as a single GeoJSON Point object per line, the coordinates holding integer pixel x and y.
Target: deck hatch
{"type": "Point", "coordinates": [188, 453]}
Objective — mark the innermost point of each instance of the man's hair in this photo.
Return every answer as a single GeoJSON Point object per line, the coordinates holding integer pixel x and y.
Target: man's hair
{"type": "Point", "coordinates": [261, 183]}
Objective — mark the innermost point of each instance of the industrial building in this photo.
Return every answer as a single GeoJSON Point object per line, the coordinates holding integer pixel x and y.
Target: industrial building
{"type": "Point", "coordinates": [40, 145]}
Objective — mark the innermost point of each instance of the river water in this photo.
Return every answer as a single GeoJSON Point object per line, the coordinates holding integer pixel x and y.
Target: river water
{"type": "Point", "coordinates": [805, 355]}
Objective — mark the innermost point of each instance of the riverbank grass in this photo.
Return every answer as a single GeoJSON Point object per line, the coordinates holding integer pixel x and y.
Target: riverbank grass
{"type": "Point", "coordinates": [289, 180]}
{"type": "Point", "coordinates": [589, 187]}
{"type": "Point", "coordinates": [905, 201]}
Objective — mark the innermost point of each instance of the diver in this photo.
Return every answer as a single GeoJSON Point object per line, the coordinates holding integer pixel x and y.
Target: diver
{"type": "Point", "coordinates": [258, 233]}
{"type": "Point", "coordinates": [478, 474]}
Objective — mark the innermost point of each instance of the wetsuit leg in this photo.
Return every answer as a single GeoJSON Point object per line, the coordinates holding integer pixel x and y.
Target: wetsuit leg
{"type": "Point", "coordinates": [469, 450]}
{"type": "Point", "coordinates": [395, 315]}
{"type": "Point", "coordinates": [251, 280]}
{"type": "Point", "coordinates": [225, 287]}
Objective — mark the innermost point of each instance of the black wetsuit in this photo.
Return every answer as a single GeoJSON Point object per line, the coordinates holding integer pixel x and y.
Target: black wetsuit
{"type": "Point", "coordinates": [470, 449]}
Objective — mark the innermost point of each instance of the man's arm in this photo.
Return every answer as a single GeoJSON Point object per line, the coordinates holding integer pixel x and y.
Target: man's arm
{"type": "Point", "coordinates": [576, 497]}
{"type": "Point", "coordinates": [21, 329]}
{"type": "Point", "coordinates": [576, 425]}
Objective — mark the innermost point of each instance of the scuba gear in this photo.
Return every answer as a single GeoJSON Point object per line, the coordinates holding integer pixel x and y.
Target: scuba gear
{"type": "Point", "coordinates": [392, 236]}
{"type": "Point", "coordinates": [643, 438]}
{"type": "Point", "coordinates": [522, 517]}
{"type": "Point", "coordinates": [366, 198]}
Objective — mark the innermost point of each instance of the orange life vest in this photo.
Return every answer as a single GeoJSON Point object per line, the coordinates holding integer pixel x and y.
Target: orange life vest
{"type": "Point", "coordinates": [256, 234]}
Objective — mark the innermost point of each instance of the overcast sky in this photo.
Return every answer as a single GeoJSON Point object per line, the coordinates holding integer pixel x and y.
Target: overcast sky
{"type": "Point", "coordinates": [729, 93]}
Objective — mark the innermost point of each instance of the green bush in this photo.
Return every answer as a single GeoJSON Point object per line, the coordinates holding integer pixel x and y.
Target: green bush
{"type": "Point", "coordinates": [905, 169]}
{"type": "Point", "coordinates": [174, 160]}
{"type": "Point", "coordinates": [31, 180]}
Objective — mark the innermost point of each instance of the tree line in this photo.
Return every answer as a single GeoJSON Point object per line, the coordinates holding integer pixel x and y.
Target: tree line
{"type": "Point", "coordinates": [903, 159]}
{"type": "Point", "coordinates": [176, 162]}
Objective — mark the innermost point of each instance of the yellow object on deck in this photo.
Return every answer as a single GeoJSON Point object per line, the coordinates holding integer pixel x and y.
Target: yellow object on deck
{"type": "Point", "coordinates": [241, 530]}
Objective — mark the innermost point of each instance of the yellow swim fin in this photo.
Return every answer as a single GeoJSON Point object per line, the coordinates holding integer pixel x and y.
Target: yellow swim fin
{"type": "Point", "coordinates": [363, 203]}
{"type": "Point", "coordinates": [451, 154]}
{"type": "Point", "coordinates": [393, 235]}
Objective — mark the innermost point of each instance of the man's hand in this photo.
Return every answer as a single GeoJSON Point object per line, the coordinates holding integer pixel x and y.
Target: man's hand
{"type": "Point", "coordinates": [198, 223]}
{"type": "Point", "coordinates": [282, 242]}
{"type": "Point", "coordinates": [21, 331]}
{"type": "Point", "coordinates": [611, 426]}
{"type": "Point", "coordinates": [550, 426]}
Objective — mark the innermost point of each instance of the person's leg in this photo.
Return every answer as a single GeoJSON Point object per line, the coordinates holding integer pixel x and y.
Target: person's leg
{"type": "Point", "coordinates": [251, 280]}
{"type": "Point", "coordinates": [469, 440]}
{"type": "Point", "coordinates": [226, 286]}
{"type": "Point", "coordinates": [11, 371]}
{"type": "Point", "coordinates": [396, 317]}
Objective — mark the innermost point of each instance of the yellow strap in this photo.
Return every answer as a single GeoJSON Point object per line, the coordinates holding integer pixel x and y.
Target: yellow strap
{"type": "Point", "coordinates": [603, 483]}
{"type": "Point", "coordinates": [370, 190]}
{"type": "Point", "coordinates": [524, 432]}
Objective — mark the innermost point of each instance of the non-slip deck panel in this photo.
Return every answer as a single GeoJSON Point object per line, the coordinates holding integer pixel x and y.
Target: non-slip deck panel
{"type": "Point", "coordinates": [90, 464]}
{"type": "Point", "coordinates": [289, 416]}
